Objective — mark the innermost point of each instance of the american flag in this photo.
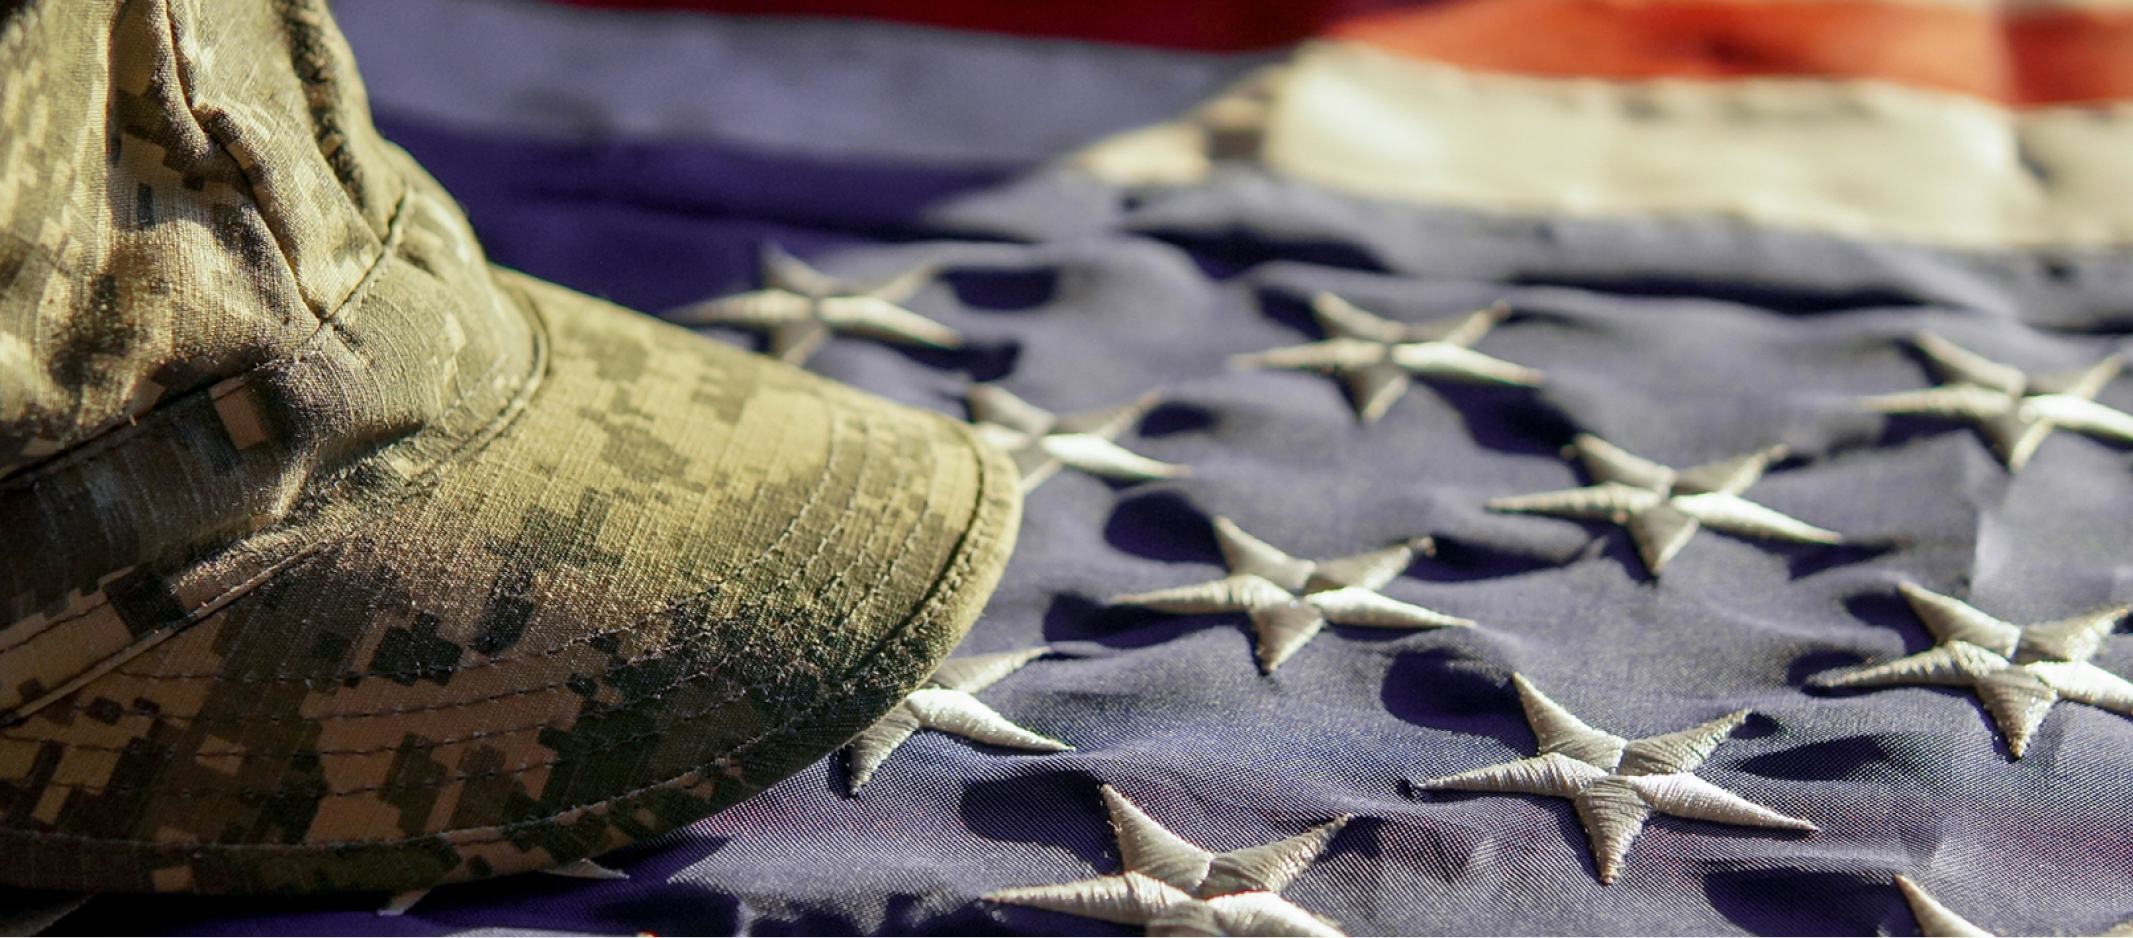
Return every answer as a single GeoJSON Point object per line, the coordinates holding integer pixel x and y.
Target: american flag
{"type": "Point", "coordinates": [1511, 466]}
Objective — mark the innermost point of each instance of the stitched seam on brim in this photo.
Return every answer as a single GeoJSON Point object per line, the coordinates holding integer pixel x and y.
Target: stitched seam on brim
{"type": "Point", "coordinates": [960, 433]}
{"type": "Point", "coordinates": [755, 637]}
{"type": "Point", "coordinates": [550, 652]}
{"type": "Point", "coordinates": [251, 756]}
{"type": "Point", "coordinates": [957, 571]}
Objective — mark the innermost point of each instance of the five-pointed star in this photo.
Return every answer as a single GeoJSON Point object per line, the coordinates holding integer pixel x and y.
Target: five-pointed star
{"type": "Point", "coordinates": [1289, 600]}
{"type": "Point", "coordinates": [946, 704]}
{"type": "Point", "coordinates": [1617, 783]}
{"type": "Point", "coordinates": [1041, 441]}
{"type": "Point", "coordinates": [1174, 888]}
{"type": "Point", "coordinates": [1378, 358]}
{"type": "Point", "coordinates": [799, 307]}
{"type": "Point", "coordinates": [2018, 671]}
{"type": "Point", "coordinates": [1662, 508]}
{"type": "Point", "coordinates": [2015, 411]}
{"type": "Point", "coordinates": [1936, 920]}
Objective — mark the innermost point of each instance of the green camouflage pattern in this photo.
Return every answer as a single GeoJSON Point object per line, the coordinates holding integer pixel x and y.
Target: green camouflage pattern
{"type": "Point", "coordinates": [336, 559]}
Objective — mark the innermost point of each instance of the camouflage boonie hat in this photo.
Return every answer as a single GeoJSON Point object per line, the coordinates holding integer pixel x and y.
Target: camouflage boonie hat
{"type": "Point", "coordinates": [333, 558]}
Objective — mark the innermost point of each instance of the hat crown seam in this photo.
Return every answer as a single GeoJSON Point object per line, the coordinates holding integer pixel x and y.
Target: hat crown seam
{"type": "Point", "coordinates": [117, 435]}
{"type": "Point", "coordinates": [304, 512]}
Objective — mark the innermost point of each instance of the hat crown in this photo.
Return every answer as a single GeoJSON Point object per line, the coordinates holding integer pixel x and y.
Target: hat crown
{"type": "Point", "coordinates": [165, 230]}
{"type": "Point", "coordinates": [229, 311]}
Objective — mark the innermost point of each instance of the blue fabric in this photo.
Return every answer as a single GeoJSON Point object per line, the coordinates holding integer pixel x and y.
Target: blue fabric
{"type": "Point", "coordinates": [811, 87]}
{"type": "Point", "coordinates": [673, 222]}
{"type": "Point", "coordinates": [1674, 365]}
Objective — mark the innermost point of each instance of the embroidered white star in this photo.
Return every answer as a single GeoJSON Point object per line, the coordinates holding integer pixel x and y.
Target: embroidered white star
{"type": "Point", "coordinates": [1174, 888]}
{"type": "Point", "coordinates": [1938, 921]}
{"type": "Point", "coordinates": [1289, 600]}
{"type": "Point", "coordinates": [2014, 411]}
{"type": "Point", "coordinates": [1378, 358]}
{"type": "Point", "coordinates": [2018, 671]}
{"type": "Point", "coordinates": [947, 704]}
{"type": "Point", "coordinates": [799, 307]}
{"type": "Point", "coordinates": [1617, 783]}
{"type": "Point", "coordinates": [1663, 508]}
{"type": "Point", "coordinates": [1041, 441]}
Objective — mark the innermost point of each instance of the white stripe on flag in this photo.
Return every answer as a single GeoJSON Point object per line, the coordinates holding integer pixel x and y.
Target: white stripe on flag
{"type": "Point", "coordinates": [1853, 158]}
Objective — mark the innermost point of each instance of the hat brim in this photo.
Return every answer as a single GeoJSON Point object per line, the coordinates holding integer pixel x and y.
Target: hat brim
{"type": "Point", "coordinates": [677, 574]}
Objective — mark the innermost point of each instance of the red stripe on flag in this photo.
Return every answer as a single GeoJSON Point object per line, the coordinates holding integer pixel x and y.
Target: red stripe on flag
{"type": "Point", "coordinates": [2073, 55]}
{"type": "Point", "coordinates": [2027, 58]}
{"type": "Point", "coordinates": [1207, 25]}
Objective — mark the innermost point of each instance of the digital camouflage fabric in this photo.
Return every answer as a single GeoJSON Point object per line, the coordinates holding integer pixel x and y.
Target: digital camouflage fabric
{"type": "Point", "coordinates": [333, 558]}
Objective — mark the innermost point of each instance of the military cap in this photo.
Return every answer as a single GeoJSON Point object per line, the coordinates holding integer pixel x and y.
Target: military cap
{"type": "Point", "coordinates": [334, 558]}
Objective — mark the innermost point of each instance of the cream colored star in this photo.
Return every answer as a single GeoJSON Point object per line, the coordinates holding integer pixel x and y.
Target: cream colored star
{"type": "Point", "coordinates": [1289, 600]}
{"type": "Point", "coordinates": [1041, 442]}
{"type": "Point", "coordinates": [2014, 411]}
{"type": "Point", "coordinates": [1938, 921]}
{"type": "Point", "coordinates": [947, 703]}
{"type": "Point", "coordinates": [2018, 671]}
{"type": "Point", "coordinates": [1171, 887]}
{"type": "Point", "coordinates": [1379, 358]}
{"type": "Point", "coordinates": [799, 308]}
{"type": "Point", "coordinates": [1615, 783]}
{"type": "Point", "coordinates": [1662, 507]}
